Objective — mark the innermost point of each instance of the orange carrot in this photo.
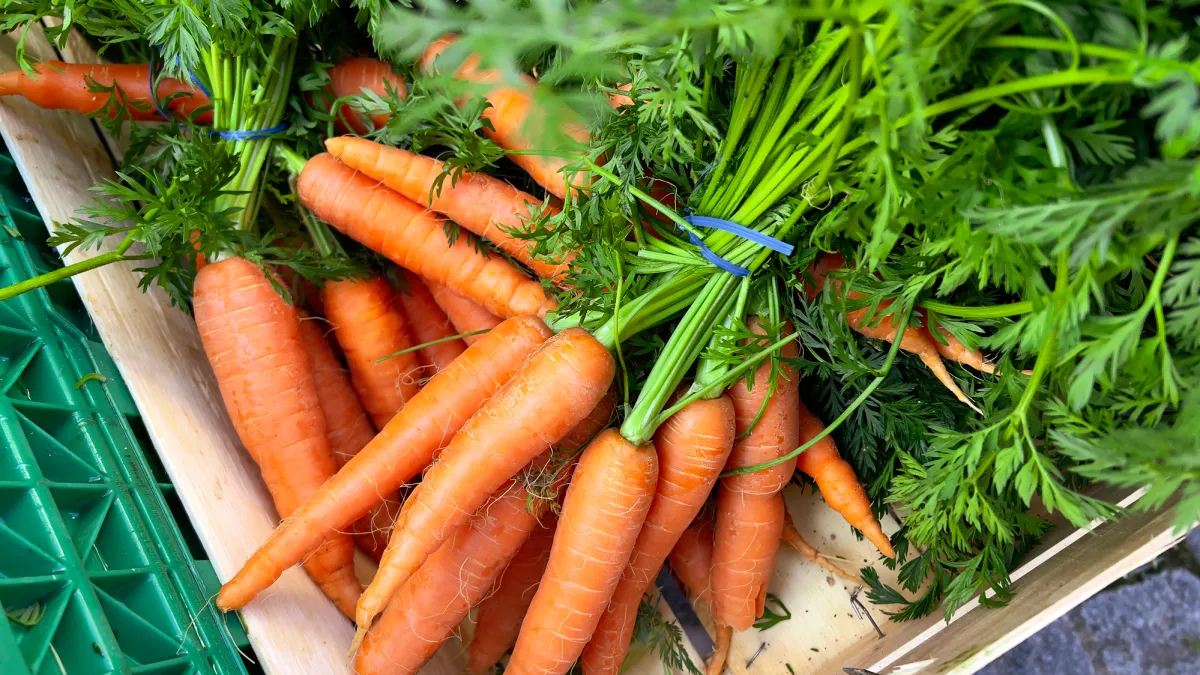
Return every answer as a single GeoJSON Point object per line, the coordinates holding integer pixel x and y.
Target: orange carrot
{"type": "Point", "coordinates": [951, 348]}
{"type": "Point", "coordinates": [836, 480]}
{"type": "Point", "coordinates": [427, 609]}
{"type": "Point", "coordinates": [355, 76]}
{"type": "Point", "coordinates": [691, 559]}
{"type": "Point", "coordinates": [791, 537]}
{"type": "Point", "coordinates": [67, 86]}
{"type": "Point", "coordinates": [466, 315]}
{"type": "Point", "coordinates": [916, 341]}
{"type": "Point", "coordinates": [556, 388]}
{"type": "Point", "coordinates": [484, 205]}
{"type": "Point", "coordinates": [369, 328]}
{"type": "Point", "coordinates": [693, 446]}
{"type": "Point", "coordinates": [401, 450]}
{"type": "Point", "coordinates": [348, 429]}
{"type": "Point", "coordinates": [514, 120]}
{"type": "Point", "coordinates": [411, 237]}
{"type": "Point", "coordinates": [750, 506]}
{"type": "Point", "coordinates": [604, 510]}
{"type": "Point", "coordinates": [252, 339]}
{"type": "Point", "coordinates": [428, 323]}
{"type": "Point", "coordinates": [498, 618]}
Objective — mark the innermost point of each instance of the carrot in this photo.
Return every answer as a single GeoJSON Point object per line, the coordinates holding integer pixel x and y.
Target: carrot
{"type": "Point", "coordinates": [348, 429]}
{"type": "Point", "coordinates": [791, 536]}
{"type": "Point", "coordinates": [354, 77]}
{"type": "Point", "coordinates": [693, 446]}
{"type": "Point", "coordinates": [428, 323]}
{"type": "Point", "coordinates": [466, 315]}
{"type": "Point", "coordinates": [604, 510]}
{"type": "Point", "coordinates": [556, 388]}
{"type": "Point", "coordinates": [68, 86]}
{"type": "Point", "coordinates": [836, 480]}
{"type": "Point", "coordinates": [691, 559]}
{"type": "Point", "coordinates": [915, 341]}
{"type": "Point", "coordinates": [484, 205]}
{"type": "Point", "coordinates": [951, 348]}
{"type": "Point", "coordinates": [750, 506]}
{"type": "Point", "coordinates": [401, 450]}
{"type": "Point", "coordinates": [411, 237]}
{"type": "Point", "coordinates": [498, 617]}
{"type": "Point", "coordinates": [252, 339]}
{"type": "Point", "coordinates": [513, 116]}
{"type": "Point", "coordinates": [369, 328]}
{"type": "Point", "coordinates": [427, 609]}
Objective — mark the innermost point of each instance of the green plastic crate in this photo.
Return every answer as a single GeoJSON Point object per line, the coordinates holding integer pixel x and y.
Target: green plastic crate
{"type": "Point", "coordinates": [96, 575]}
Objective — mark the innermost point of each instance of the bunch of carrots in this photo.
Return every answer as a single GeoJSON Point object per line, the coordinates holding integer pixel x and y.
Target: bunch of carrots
{"type": "Point", "coordinates": [437, 411]}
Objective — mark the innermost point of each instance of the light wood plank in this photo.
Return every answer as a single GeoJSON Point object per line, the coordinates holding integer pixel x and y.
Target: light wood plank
{"type": "Point", "coordinates": [293, 628]}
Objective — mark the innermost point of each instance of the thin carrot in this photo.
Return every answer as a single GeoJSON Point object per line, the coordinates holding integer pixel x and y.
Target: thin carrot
{"type": "Point", "coordinates": [354, 77]}
{"type": "Point", "coordinates": [514, 120]}
{"type": "Point", "coordinates": [693, 446]}
{"type": "Point", "coordinates": [604, 510]}
{"type": "Point", "coordinates": [498, 617]}
{"type": "Point", "coordinates": [691, 559]}
{"type": "Point", "coordinates": [466, 315]}
{"type": "Point", "coordinates": [369, 328]}
{"type": "Point", "coordinates": [791, 536]}
{"type": "Point", "coordinates": [252, 339]}
{"type": "Point", "coordinates": [427, 609]}
{"type": "Point", "coordinates": [556, 388]}
{"type": "Point", "coordinates": [489, 207]}
{"type": "Point", "coordinates": [951, 348]}
{"type": "Point", "coordinates": [750, 506]}
{"type": "Point", "coordinates": [348, 428]}
{"type": "Point", "coordinates": [401, 450]}
{"type": "Point", "coordinates": [836, 480]}
{"type": "Point", "coordinates": [411, 237]}
{"type": "Point", "coordinates": [918, 342]}
{"type": "Point", "coordinates": [69, 86]}
{"type": "Point", "coordinates": [428, 323]}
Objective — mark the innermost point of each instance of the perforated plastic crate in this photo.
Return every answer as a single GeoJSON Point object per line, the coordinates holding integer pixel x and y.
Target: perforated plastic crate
{"type": "Point", "coordinates": [99, 569]}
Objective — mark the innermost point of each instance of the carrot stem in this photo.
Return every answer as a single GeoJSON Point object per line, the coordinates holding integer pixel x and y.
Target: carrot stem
{"type": "Point", "coordinates": [449, 338]}
{"type": "Point", "coordinates": [990, 312]}
{"type": "Point", "coordinates": [71, 270]}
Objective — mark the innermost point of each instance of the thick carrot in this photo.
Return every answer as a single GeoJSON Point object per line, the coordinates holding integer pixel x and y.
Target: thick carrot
{"type": "Point", "coordinates": [68, 86]}
{"type": "Point", "coordinates": [369, 327]}
{"type": "Point", "coordinates": [427, 609]}
{"type": "Point", "coordinates": [252, 339]}
{"type": "Point", "coordinates": [515, 120]}
{"type": "Point", "coordinates": [604, 510]}
{"type": "Point", "coordinates": [428, 323]}
{"type": "Point", "coordinates": [916, 341]}
{"type": "Point", "coordinates": [750, 506]}
{"type": "Point", "coordinates": [836, 480]}
{"type": "Point", "coordinates": [498, 617]}
{"type": "Point", "coordinates": [348, 429]}
{"type": "Point", "coordinates": [355, 76]}
{"type": "Point", "coordinates": [691, 559]}
{"type": "Point", "coordinates": [466, 315]}
{"type": "Point", "coordinates": [411, 237]}
{"type": "Point", "coordinates": [400, 451]}
{"type": "Point", "coordinates": [556, 388]}
{"type": "Point", "coordinates": [489, 207]}
{"type": "Point", "coordinates": [791, 537]}
{"type": "Point", "coordinates": [693, 446]}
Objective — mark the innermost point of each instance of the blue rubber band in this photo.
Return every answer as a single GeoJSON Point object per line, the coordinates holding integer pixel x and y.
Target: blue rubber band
{"type": "Point", "coordinates": [154, 91]}
{"type": "Point", "coordinates": [250, 134]}
{"type": "Point", "coordinates": [725, 265]}
{"type": "Point", "coordinates": [195, 80]}
{"type": "Point", "coordinates": [743, 232]}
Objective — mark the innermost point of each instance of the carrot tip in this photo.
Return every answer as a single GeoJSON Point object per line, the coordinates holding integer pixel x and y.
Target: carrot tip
{"type": "Point", "coordinates": [716, 663]}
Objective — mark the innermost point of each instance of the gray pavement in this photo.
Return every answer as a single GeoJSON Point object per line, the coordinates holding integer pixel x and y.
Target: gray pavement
{"type": "Point", "coordinates": [1145, 624]}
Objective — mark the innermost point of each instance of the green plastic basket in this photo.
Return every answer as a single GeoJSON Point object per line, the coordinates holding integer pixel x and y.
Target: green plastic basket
{"type": "Point", "coordinates": [96, 575]}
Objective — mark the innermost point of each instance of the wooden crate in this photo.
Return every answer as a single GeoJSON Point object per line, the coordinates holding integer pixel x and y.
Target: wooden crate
{"type": "Point", "coordinates": [295, 630]}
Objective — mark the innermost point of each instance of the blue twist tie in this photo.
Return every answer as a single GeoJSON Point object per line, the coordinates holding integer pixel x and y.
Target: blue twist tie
{"type": "Point", "coordinates": [250, 134]}
{"type": "Point", "coordinates": [743, 232]}
{"type": "Point", "coordinates": [707, 253]}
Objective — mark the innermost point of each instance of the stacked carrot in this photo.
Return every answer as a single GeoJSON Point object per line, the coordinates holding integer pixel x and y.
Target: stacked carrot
{"type": "Point", "coordinates": [455, 375]}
